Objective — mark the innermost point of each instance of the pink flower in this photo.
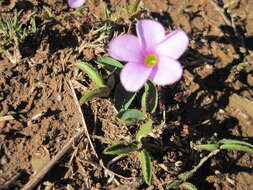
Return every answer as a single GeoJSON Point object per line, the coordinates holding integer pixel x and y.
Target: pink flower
{"type": "Point", "coordinates": [76, 3]}
{"type": "Point", "coordinates": [152, 55]}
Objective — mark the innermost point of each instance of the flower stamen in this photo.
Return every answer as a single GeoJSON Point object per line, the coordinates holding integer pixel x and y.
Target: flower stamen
{"type": "Point", "coordinates": [151, 60]}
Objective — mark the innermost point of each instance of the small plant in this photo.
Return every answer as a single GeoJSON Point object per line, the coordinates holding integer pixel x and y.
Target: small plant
{"type": "Point", "coordinates": [152, 59]}
{"type": "Point", "coordinates": [136, 146]}
{"type": "Point", "coordinates": [13, 28]}
{"type": "Point", "coordinates": [13, 31]}
{"type": "Point", "coordinates": [215, 148]}
{"type": "Point", "coordinates": [122, 98]}
{"type": "Point", "coordinates": [102, 89]}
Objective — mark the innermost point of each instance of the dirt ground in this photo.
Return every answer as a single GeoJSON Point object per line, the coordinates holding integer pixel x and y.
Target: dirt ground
{"type": "Point", "coordinates": [39, 115]}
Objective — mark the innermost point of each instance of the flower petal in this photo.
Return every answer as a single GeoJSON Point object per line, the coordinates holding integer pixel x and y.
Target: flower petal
{"type": "Point", "coordinates": [76, 3]}
{"type": "Point", "coordinates": [134, 75]}
{"type": "Point", "coordinates": [167, 71]}
{"type": "Point", "coordinates": [125, 47]}
{"type": "Point", "coordinates": [150, 33]}
{"type": "Point", "coordinates": [174, 44]}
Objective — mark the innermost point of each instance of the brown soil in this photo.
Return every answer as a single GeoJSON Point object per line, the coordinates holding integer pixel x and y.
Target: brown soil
{"type": "Point", "coordinates": [38, 111]}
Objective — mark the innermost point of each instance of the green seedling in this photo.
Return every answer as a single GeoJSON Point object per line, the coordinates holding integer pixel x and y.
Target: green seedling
{"type": "Point", "coordinates": [136, 146]}
{"type": "Point", "coordinates": [14, 31]}
{"type": "Point", "coordinates": [13, 27]}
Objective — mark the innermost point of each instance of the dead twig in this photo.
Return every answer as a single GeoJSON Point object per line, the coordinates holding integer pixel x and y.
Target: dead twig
{"type": "Point", "coordinates": [187, 175]}
{"type": "Point", "coordinates": [69, 146]}
{"type": "Point", "coordinates": [108, 171]}
{"type": "Point", "coordinates": [82, 118]}
{"type": "Point", "coordinates": [221, 11]}
{"type": "Point", "coordinates": [112, 173]}
{"type": "Point", "coordinates": [108, 165]}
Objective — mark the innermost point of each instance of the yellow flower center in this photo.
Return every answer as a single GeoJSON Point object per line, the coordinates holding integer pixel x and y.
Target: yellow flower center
{"type": "Point", "coordinates": [151, 60]}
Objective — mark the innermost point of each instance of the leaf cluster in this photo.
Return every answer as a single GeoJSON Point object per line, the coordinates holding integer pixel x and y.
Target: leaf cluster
{"type": "Point", "coordinates": [136, 146]}
{"type": "Point", "coordinates": [122, 98]}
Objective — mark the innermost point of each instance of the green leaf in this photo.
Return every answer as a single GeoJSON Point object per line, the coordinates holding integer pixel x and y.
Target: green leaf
{"type": "Point", "coordinates": [146, 166]}
{"type": "Point", "coordinates": [149, 98]}
{"type": "Point", "coordinates": [122, 98]}
{"type": "Point", "coordinates": [110, 61]}
{"type": "Point", "coordinates": [210, 147]}
{"type": "Point", "coordinates": [120, 148]}
{"type": "Point", "coordinates": [94, 93]}
{"type": "Point", "coordinates": [134, 7]}
{"type": "Point", "coordinates": [131, 116]}
{"type": "Point", "coordinates": [189, 186]}
{"type": "Point", "coordinates": [92, 72]}
{"type": "Point", "coordinates": [144, 130]}
{"type": "Point", "coordinates": [230, 141]}
{"type": "Point", "coordinates": [235, 145]}
{"type": "Point", "coordinates": [174, 183]}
